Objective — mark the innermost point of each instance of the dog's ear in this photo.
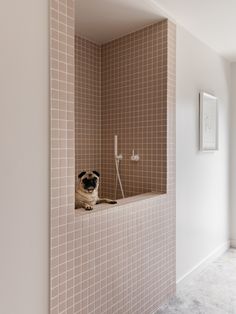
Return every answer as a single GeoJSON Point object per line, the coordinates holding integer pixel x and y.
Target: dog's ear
{"type": "Point", "coordinates": [97, 173]}
{"type": "Point", "coordinates": [81, 174]}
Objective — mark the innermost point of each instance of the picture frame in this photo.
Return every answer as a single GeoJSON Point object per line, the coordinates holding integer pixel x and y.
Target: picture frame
{"type": "Point", "coordinates": [208, 122]}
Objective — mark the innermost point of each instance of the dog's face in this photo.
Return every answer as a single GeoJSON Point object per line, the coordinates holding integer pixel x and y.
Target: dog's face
{"type": "Point", "coordinates": [89, 181]}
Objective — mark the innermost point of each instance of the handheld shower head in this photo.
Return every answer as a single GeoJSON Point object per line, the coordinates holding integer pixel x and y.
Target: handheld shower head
{"type": "Point", "coordinates": [118, 158]}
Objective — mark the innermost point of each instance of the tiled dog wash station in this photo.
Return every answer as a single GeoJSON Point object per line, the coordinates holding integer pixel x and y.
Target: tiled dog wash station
{"type": "Point", "coordinates": [116, 258]}
{"type": "Point", "coordinates": [120, 88]}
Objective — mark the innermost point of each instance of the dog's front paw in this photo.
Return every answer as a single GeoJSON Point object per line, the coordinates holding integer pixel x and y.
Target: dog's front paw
{"type": "Point", "coordinates": [113, 202]}
{"type": "Point", "coordinates": [88, 207]}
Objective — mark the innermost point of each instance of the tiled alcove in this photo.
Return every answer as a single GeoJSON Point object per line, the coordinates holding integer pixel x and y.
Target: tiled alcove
{"type": "Point", "coordinates": [120, 89]}
{"type": "Point", "coordinates": [119, 260]}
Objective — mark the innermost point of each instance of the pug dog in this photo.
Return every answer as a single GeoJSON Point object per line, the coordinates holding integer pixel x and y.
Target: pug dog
{"type": "Point", "coordinates": [86, 191]}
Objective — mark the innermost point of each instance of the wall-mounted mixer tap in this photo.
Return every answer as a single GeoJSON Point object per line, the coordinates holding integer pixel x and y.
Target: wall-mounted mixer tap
{"type": "Point", "coordinates": [134, 157]}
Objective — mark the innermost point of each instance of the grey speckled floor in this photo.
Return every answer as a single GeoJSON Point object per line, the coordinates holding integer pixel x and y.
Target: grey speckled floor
{"type": "Point", "coordinates": [212, 291]}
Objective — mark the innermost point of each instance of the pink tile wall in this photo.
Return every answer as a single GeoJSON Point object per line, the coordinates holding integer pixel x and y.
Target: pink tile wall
{"type": "Point", "coordinates": [62, 156]}
{"type": "Point", "coordinates": [87, 105]}
{"type": "Point", "coordinates": [120, 259]}
{"type": "Point", "coordinates": [121, 88]}
{"type": "Point", "coordinates": [134, 92]}
{"type": "Point", "coordinates": [125, 258]}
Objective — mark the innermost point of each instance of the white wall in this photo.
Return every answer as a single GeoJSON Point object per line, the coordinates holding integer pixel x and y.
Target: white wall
{"type": "Point", "coordinates": [24, 157]}
{"type": "Point", "coordinates": [202, 178]}
{"type": "Point", "coordinates": [233, 157]}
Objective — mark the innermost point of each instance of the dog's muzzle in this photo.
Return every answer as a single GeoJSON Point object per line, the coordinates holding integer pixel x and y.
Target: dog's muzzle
{"type": "Point", "coordinates": [89, 184]}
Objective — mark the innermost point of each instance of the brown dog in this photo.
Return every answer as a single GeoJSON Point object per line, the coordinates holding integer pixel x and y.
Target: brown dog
{"type": "Point", "coordinates": [86, 191]}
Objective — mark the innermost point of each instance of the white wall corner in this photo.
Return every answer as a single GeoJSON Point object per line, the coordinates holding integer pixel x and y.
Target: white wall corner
{"type": "Point", "coordinates": [233, 243]}
{"type": "Point", "coordinates": [233, 155]}
{"type": "Point", "coordinates": [204, 263]}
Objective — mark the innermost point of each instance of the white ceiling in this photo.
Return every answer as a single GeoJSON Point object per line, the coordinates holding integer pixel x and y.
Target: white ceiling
{"type": "Point", "coordinates": [212, 21]}
{"type": "Point", "coordinates": [104, 20]}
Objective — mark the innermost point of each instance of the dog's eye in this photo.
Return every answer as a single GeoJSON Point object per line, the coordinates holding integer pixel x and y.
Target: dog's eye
{"type": "Point", "coordinates": [89, 181]}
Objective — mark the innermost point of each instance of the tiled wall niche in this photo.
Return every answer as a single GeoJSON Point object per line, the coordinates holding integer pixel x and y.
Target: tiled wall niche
{"type": "Point", "coordinates": [121, 88]}
{"type": "Point", "coordinates": [134, 106]}
{"type": "Point", "coordinates": [117, 260]}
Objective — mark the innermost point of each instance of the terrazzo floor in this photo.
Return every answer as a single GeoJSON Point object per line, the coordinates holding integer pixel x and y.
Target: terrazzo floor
{"type": "Point", "coordinates": [212, 291]}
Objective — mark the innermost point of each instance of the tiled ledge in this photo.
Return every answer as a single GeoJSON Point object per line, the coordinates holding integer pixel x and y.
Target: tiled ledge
{"type": "Point", "coordinates": [120, 202]}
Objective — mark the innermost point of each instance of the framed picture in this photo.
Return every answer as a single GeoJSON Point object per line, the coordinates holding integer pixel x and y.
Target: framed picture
{"type": "Point", "coordinates": [208, 122]}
